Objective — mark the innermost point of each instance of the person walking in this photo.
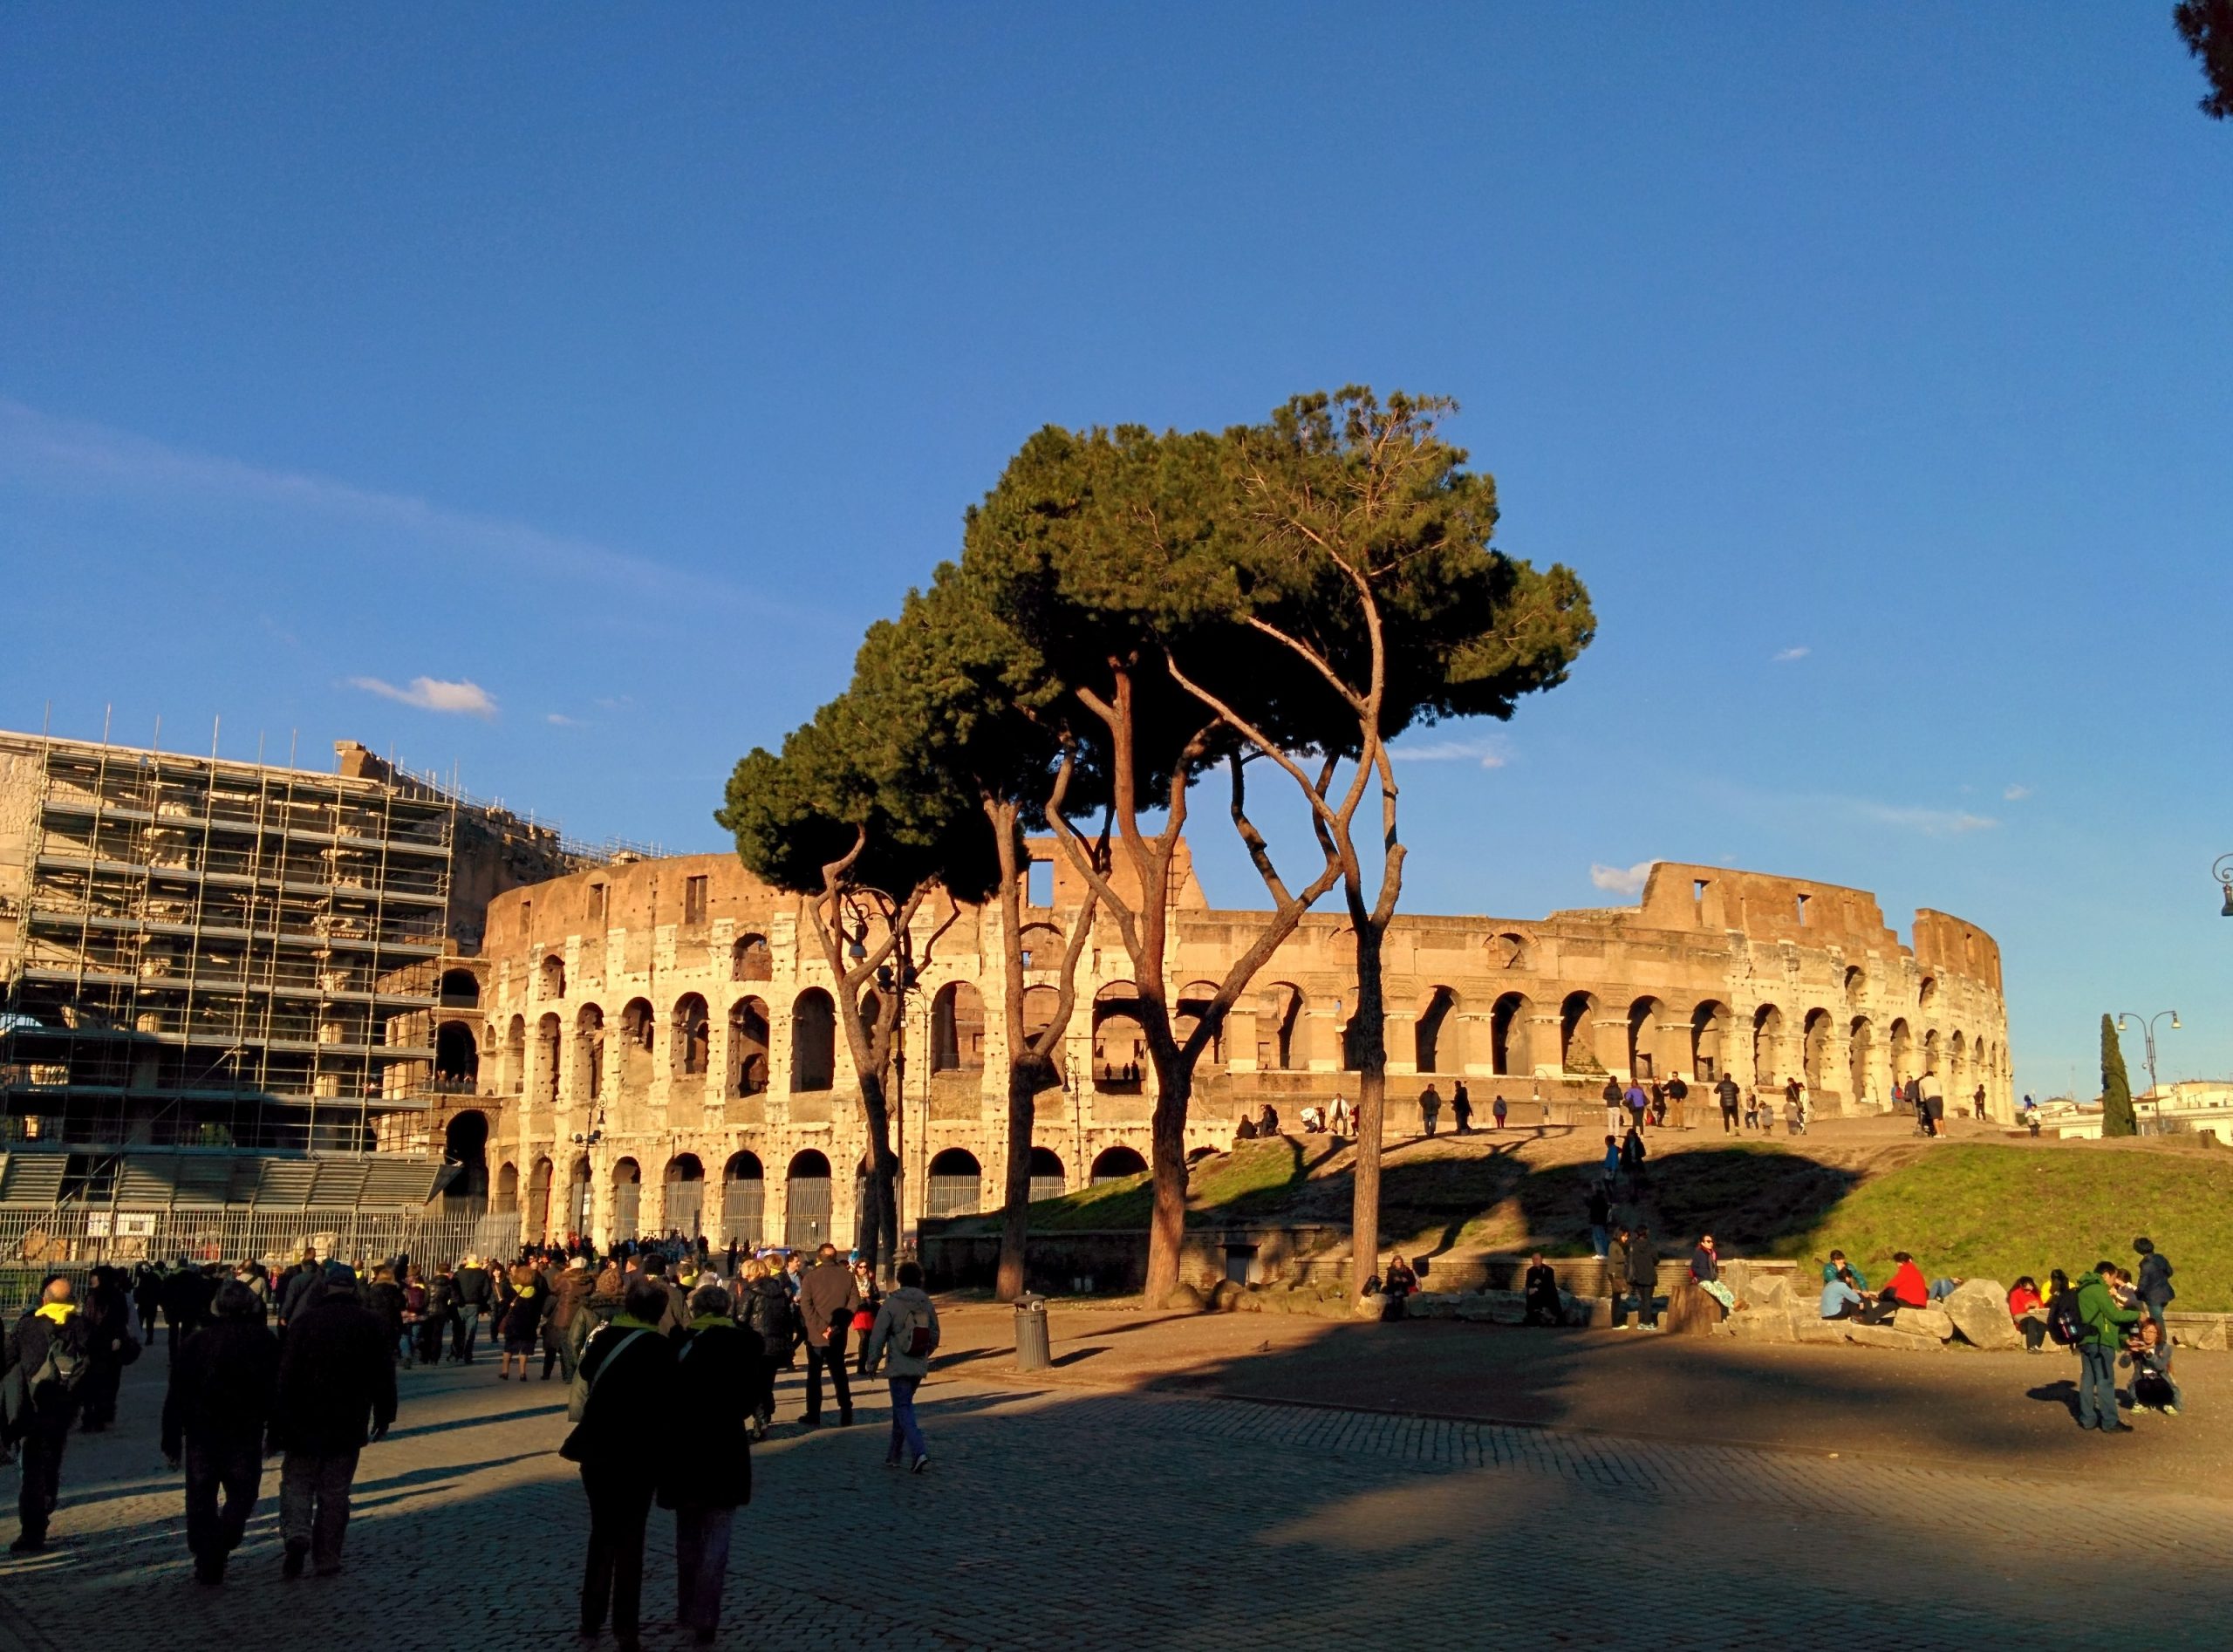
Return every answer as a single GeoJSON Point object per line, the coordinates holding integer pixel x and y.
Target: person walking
{"type": "Point", "coordinates": [110, 1345]}
{"type": "Point", "coordinates": [622, 1439]}
{"type": "Point", "coordinates": [1632, 1156]}
{"type": "Point", "coordinates": [186, 1295]}
{"type": "Point", "coordinates": [469, 1285]}
{"type": "Point", "coordinates": [1637, 1104]}
{"type": "Point", "coordinates": [1616, 1113]}
{"type": "Point", "coordinates": [47, 1356]}
{"type": "Point", "coordinates": [903, 1338]}
{"type": "Point", "coordinates": [767, 1311]}
{"type": "Point", "coordinates": [1725, 1092]}
{"type": "Point", "coordinates": [2155, 1282]}
{"type": "Point", "coordinates": [827, 1298]}
{"type": "Point", "coordinates": [337, 1394]}
{"type": "Point", "coordinates": [568, 1327]}
{"type": "Point", "coordinates": [216, 1412]}
{"type": "Point", "coordinates": [1461, 1108]}
{"type": "Point", "coordinates": [2102, 1326]}
{"type": "Point", "coordinates": [526, 1307]}
{"type": "Point", "coordinates": [147, 1298]}
{"type": "Point", "coordinates": [720, 1379]}
{"type": "Point", "coordinates": [1430, 1109]}
{"type": "Point", "coordinates": [1497, 1110]}
{"type": "Point", "coordinates": [1678, 1102]}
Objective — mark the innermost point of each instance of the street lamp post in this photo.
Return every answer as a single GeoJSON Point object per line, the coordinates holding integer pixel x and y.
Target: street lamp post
{"type": "Point", "coordinates": [2147, 1033]}
{"type": "Point", "coordinates": [2221, 869]}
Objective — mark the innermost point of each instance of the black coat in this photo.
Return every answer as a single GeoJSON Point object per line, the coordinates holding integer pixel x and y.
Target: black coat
{"type": "Point", "coordinates": [2154, 1281]}
{"type": "Point", "coordinates": [628, 1424]}
{"type": "Point", "coordinates": [337, 1375]}
{"type": "Point", "coordinates": [25, 1352]}
{"type": "Point", "coordinates": [767, 1311]}
{"type": "Point", "coordinates": [720, 1379]}
{"type": "Point", "coordinates": [223, 1385]}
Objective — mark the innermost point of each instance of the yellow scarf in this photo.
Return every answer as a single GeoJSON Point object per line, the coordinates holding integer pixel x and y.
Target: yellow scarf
{"type": "Point", "coordinates": [60, 1313]}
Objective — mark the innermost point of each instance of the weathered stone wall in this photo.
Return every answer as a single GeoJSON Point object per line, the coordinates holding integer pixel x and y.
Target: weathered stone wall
{"type": "Point", "coordinates": [593, 984]}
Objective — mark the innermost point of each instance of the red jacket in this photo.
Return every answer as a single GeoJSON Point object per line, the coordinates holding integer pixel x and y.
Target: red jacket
{"type": "Point", "coordinates": [1906, 1287]}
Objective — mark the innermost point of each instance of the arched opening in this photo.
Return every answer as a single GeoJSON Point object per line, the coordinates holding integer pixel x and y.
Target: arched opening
{"type": "Point", "coordinates": [806, 1198]}
{"type": "Point", "coordinates": [539, 1213]}
{"type": "Point", "coordinates": [1709, 1040]}
{"type": "Point", "coordinates": [1120, 1042]}
{"type": "Point", "coordinates": [515, 1055]}
{"type": "Point", "coordinates": [1933, 1053]}
{"type": "Point", "coordinates": [1859, 1047]}
{"type": "Point", "coordinates": [465, 1144]}
{"type": "Point", "coordinates": [814, 1055]}
{"type": "Point", "coordinates": [1195, 1156]}
{"type": "Point", "coordinates": [589, 1050]}
{"type": "Point", "coordinates": [459, 990]}
{"type": "Point", "coordinates": [744, 1198]}
{"type": "Point", "coordinates": [507, 1200]}
{"type": "Point", "coordinates": [1899, 1046]}
{"type": "Point", "coordinates": [1508, 1051]}
{"type": "Point", "coordinates": [1577, 1034]}
{"type": "Point", "coordinates": [1957, 1072]}
{"type": "Point", "coordinates": [1189, 1010]}
{"type": "Point", "coordinates": [1042, 944]}
{"type": "Point", "coordinates": [957, 1181]}
{"type": "Point", "coordinates": [627, 1199]}
{"type": "Point", "coordinates": [1856, 983]}
{"type": "Point", "coordinates": [1114, 1164]}
{"type": "Point", "coordinates": [750, 960]}
{"type": "Point", "coordinates": [1508, 950]}
{"type": "Point", "coordinates": [1927, 991]}
{"type": "Point", "coordinates": [686, 1195]}
{"type": "Point", "coordinates": [956, 1029]}
{"type": "Point", "coordinates": [457, 1057]}
{"type": "Point", "coordinates": [1815, 1048]}
{"type": "Point", "coordinates": [748, 1047]}
{"type": "Point", "coordinates": [1040, 1004]}
{"type": "Point", "coordinates": [578, 1197]}
{"type": "Point", "coordinates": [638, 1029]}
{"type": "Point", "coordinates": [1438, 1038]}
{"type": "Point", "coordinates": [1279, 1026]}
{"type": "Point", "coordinates": [693, 1037]}
{"type": "Point", "coordinates": [546, 1060]}
{"type": "Point", "coordinates": [1643, 1038]}
{"type": "Point", "coordinates": [1768, 1064]}
{"type": "Point", "coordinates": [553, 982]}
{"type": "Point", "coordinates": [1048, 1177]}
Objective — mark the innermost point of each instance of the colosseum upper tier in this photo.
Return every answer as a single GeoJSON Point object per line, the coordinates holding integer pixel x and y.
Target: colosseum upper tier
{"type": "Point", "coordinates": [653, 1044]}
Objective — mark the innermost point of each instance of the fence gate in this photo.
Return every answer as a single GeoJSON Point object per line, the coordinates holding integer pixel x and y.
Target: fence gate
{"type": "Point", "coordinates": [806, 1220]}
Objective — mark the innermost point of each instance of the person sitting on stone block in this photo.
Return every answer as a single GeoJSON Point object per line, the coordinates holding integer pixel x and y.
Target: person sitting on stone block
{"type": "Point", "coordinates": [1542, 1284]}
{"type": "Point", "coordinates": [1705, 1272]}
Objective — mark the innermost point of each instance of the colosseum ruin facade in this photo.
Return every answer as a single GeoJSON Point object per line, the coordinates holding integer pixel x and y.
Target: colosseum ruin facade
{"type": "Point", "coordinates": [653, 1044]}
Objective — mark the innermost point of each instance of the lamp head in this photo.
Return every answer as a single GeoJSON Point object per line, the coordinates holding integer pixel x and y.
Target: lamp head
{"type": "Point", "coordinates": [856, 951]}
{"type": "Point", "coordinates": [2226, 910]}
{"type": "Point", "coordinates": [2174, 1020]}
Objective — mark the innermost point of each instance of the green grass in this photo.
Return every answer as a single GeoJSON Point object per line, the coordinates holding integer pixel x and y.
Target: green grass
{"type": "Point", "coordinates": [2000, 1213]}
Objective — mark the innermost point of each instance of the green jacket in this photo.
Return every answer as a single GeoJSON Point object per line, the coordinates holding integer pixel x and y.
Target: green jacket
{"type": "Point", "coordinates": [2097, 1311]}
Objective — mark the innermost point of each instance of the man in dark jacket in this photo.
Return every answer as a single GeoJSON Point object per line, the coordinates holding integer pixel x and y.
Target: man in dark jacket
{"type": "Point", "coordinates": [186, 1295]}
{"type": "Point", "coordinates": [720, 1381]}
{"type": "Point", "coordinates": [48, 1354]}
{"type": "Point", "coordinates": [215, 1416]}
{"type": "Point", "coordinates": [621, 1441]}
{"type": "Point", "coordinates": [110, 1345]}
{"type": "Point", "coordinates": [568, 1325]}
{"type": "Point", "coordinates": [337, 1375]}
{"type": "Point", "coordinates": [827, 1298]}
{"type": "Point", "coordinates": [471, 1287]}
{"type": "Point", "coordinates": [1541, 1285]}
{"type": "Point", "coordinates": [2103, 1325]}
{"type": "Point", "coordinates": [2155, 1282]}
{"type": "Point", "coordinates": [1643, 1270]}
{"type": "Point", "coordinates": [1725, 1092]}
{"type": "Point", "coordinates": [302, 1282]}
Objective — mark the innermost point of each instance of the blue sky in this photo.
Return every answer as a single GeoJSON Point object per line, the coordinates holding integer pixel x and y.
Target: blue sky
{"type": "Point", "coordinates": [1872, 366]}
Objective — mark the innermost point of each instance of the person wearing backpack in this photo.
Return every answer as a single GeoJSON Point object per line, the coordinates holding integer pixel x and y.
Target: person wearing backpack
{"type": "Point", "coordinates": [2104, 1326]}
{"type": "Point", "coordinates": [903, 1338]}
{"type": "Point", "coordinates": [216, 1413]}
{"type": "Point", "coordinates": [623, 1404]}
{"type": "Point", "coordinates": [49, 1353]}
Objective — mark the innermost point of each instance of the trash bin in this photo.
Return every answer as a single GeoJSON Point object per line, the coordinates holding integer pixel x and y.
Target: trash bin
{"type": "Point", "coordinates": [1031, 1334]}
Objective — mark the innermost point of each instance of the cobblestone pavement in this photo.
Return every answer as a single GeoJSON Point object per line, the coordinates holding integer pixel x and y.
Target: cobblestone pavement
{"type": "Point", "coordinates": [1075, 1518]}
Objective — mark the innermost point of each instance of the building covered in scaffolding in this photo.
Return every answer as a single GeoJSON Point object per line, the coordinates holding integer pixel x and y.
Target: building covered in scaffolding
{"type": "Point", "coordinates": [222, 986]}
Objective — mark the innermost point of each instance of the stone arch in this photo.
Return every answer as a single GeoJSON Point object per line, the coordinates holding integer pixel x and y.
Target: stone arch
{"type": "Point", "coordinates": [957, 1183]}
{"type": "Point", "coordinates": [551, 976]}
{"type": "Point", "coordinates": [1643, 1038]}
{"type": "Point", "coordinates": [1510, 1054]}
{"type": "Point", "coordinates": [806, 1198]}
{"type": "Point", "coordinates": [1767, 1045]}
{"type": "Point", "coordinates": [1709, 1025]}
{"type": "Point", "coordinates": [686, 1195]}
{"type": "Point", "coordinates": [744, 1198]}
{"type": "Point", "coordinates": [639, 1031]}
{"type": "Point", "coordinates": [1578, 1034]}
{"type": "Point", "coordinates": [1927, 991]}
{"type": "Point", "coordinates": [457, 1056]}
{"type": "Point", "coordinates": [1114, 1164]}
{"type": "Point", "coordinates": [506, 1200]}
{"type": "Point", "coordinates": [627, 1199]}
{"type": "Point", "coordinates": [515, 1055]}
{"type": "Point", "coordinates": [1933, 1053]}
{"type": "Point", "coordinates": [1860, 1048]}
{"type": "Point", "coordinates": [1042, 944]}
{"type": "Point", "coordinates": [1279, 1028]}
{"type": "Point", "coordinates": [1189, 1009]}
{"type": "Point", "coordinates": [1120, 1041]}
{"type": "Point", "coordinates": [1040, 1007]}
{"type": "Point", "coordinates": [1048, 1180]}
{"type": "Point", "coordinates": [1901, 1051]}
{"type": "Point", "coordinates": [465, 1144]}
{"type": "Point", "coordinates": [547, 1038]}
{"type": "Point", "coordinates": [1509, 950]}
{"type": "Point", "coordinates": [956, 1029]}
{"type": "Point", "coordinates": [459, 989]}
{"type": "Point", "coordinates": [1856, 983]}
{"type": "Point", "coordinates": [588, 1051]}
{"type": "Point", "coordinates": [814, 1052]}
{"type": "Point", "coordinates": [693, 1036]}
{"type": "Point", "coordinates": [1815, 1049]}
{"type": "Point", "coordinates": [750, 960]}
{"type": "Point", "coordinates": [1958, 1084]}
{"type": "Point", "coordinates": [578, 1196]}
{"type": "Point", "coordinates": [1439, 1041]}
{"type": "Point", "coordinates": [539, 1213]}
{"type": "Point", "coordinates": [748, 1035]}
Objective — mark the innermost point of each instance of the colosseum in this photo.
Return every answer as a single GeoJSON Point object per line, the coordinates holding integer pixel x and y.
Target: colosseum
{"type": "Point", "coordinates": [648, 1045]}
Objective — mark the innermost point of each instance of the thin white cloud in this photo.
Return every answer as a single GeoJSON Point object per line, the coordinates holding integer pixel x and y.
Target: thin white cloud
{"type": "Point", "coordinates": [1784, 656]}
{"type": "Point", "coordinates": [431, 693]}
{"type": "Point", "coordinates": [1620, 880]}
{"type": "Point", "coordinates": [1487, 754]}
{"type": "Point", "coordinates": [2016, 794]}
{"type": "Point", "coordinates": [1932, 822]}
{"type": "Point", "coordinates": [39, 446]}
{"type": "Point", "coordinates": [559, 720]}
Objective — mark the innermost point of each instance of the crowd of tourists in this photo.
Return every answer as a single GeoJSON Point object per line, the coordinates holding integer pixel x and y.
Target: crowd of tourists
{"type": "Point", "coordinates": [670, 1350]}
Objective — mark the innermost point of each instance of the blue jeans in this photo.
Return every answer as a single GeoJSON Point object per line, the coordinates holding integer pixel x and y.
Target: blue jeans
{"type": "Point", "coordinates": [1600, 1240]}
{"type": "Point", "coordinates": [2097, 1387]}
{"type": "Point", "coordinates": [701, 1561]}
{"type": "Point", "coordinates": [903, 1430]}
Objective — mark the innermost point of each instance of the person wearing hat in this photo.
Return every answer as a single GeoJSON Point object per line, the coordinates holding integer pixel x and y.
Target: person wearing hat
{"type": "Point", "coordinates": [337, 1393]}
{"type": "Point", "coordinates": [215, 1415]}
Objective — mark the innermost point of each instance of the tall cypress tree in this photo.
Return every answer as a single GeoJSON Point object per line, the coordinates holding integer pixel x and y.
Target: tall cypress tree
{"type": "Point", "coordinates": [2116, 1089]}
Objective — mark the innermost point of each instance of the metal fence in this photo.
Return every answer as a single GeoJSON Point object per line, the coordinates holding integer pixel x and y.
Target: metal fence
{"type": "Point", "coordinates": [36, 1240]}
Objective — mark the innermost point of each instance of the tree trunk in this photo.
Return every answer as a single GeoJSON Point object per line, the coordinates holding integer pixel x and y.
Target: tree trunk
{"type": "Point", "coordinates": [879, 1223]}
{"type": "Point", "coordinates": [1368, 1036]}
{"type": "Point", "coordinates": [1026, 1078]}
{"type": "Point", "coordinates": [1167, 1160]}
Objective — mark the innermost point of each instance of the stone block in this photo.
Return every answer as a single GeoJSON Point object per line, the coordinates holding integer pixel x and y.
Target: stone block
{"type": "Point", "coordinates": [1933, 1322]}
{"type": "Point", "coordinates": [1597, 1312]}
{"type": "Point", "coordinates": [1892, 1337]}
{"type": "Point", "coordinates": [1814, 1329]}
{"type": "Point", "coordinates": [1760, 1325]}
{"type": "Point", "coordinates": [1506, 1307]}
{"type": "Point", "coordinates": [1185, 1299]}
{"type": "Point", "coordinates": [2199, 1330]}
{"type": "Point", "coordinates": [1473, 1306]}
{"type": "Point", "coordinates": [1371, 1306]}
{"type": "Point", "coordinates": [1979, 1310]}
